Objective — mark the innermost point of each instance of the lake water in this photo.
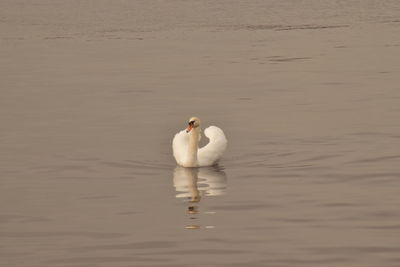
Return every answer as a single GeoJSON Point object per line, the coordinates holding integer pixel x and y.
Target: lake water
{"type": "Point", "coordinates": [307, 93]}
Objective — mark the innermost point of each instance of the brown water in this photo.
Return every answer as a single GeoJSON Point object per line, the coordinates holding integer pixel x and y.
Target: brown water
{"type": "Point", "coordinates": [307, 92]}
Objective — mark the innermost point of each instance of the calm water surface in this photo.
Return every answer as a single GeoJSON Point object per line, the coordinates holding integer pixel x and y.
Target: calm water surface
{"type": "Point", "coordinates": [92, 93]}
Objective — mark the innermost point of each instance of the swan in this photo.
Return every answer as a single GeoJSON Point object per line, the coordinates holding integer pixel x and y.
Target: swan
{"type": "Point", "coordinates": [185, 145]}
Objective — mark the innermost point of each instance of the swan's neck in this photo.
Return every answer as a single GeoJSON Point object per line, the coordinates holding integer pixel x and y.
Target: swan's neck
{"type": "Point", "coordinates": [193, 146]}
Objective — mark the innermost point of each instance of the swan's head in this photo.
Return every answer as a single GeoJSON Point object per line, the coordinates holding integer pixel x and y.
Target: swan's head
{"type": "Point", "coordinates": [194, 122]}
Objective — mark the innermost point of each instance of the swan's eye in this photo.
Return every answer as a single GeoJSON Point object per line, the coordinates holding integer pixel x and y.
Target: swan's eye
{"type": "Point", "coordinates": [191, 122]}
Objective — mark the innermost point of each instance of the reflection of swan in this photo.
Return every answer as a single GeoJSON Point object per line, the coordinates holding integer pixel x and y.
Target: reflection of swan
{"type": "Point", "coordinates": [193, 183]}
{"type": "Point", "coordinates": [186, 150]}
{"type": "Point", "coordinates": [196, 182]}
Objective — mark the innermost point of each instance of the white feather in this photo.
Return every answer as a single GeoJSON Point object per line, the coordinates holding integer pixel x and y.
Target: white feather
{"type": "Point", "coordinates": [180, 146]}
{"type": "Point", "coordinates": [211, 153]}
{"type": "Point", "coordinates": [208, 155]}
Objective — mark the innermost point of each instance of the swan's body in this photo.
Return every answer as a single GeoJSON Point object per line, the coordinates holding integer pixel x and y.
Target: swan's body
{"type": "Point", "coordinates": [186, 150]}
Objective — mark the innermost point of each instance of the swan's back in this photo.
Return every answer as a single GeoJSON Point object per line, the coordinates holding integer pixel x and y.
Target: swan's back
{"type": "Point", "coordinates": [211, 153]}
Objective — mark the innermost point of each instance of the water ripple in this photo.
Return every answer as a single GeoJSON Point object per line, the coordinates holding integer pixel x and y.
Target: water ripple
{"type": "Point", "coordinates": [129, 246]}
{"type": "Point", "coordinates": [97, 235]}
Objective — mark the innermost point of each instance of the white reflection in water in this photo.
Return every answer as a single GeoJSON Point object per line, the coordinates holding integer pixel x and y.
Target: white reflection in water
{"type": "Point", "coordinates": [196, 183]}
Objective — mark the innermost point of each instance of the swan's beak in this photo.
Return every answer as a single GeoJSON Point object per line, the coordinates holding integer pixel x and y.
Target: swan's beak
{"type": "Point", "coordinates": [189, 128]}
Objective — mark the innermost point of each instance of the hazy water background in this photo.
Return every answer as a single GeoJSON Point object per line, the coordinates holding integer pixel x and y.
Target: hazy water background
{"type": "Point", "coordinates": [307, 93]}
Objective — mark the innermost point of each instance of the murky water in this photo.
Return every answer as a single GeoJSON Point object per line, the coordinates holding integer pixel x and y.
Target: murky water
{"type": "Point", "coordinates": [92, 93]}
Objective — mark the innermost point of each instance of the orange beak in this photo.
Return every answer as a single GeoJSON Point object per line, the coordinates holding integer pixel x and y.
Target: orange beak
{"type": "Point", "coordinates": [189, 128]}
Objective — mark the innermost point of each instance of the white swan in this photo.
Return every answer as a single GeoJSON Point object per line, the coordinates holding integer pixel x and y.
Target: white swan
{"type": "Point", "coordinates": [186, 150]}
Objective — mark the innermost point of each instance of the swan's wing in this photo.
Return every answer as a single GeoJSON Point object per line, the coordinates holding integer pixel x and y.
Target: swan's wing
{"type": "Point", "coordinates": [180, 147]}
{"type": "Point", "coordinates": [211, 153]}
